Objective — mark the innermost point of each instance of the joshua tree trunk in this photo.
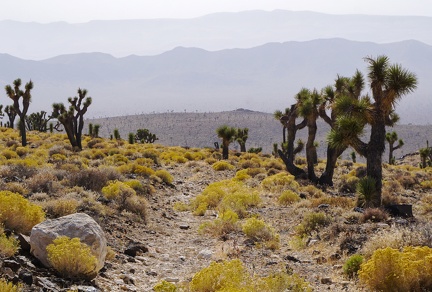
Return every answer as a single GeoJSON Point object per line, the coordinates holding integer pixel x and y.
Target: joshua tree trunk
{"type": "Point", "coordinates": [326, 177]}
{"type": "Point", "coordinates": [311, 150]}
{"type": "Point", "coordinates": [224, 151]}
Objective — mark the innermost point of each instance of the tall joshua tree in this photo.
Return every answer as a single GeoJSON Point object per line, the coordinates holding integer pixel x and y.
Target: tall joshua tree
{"type": "Point", "coordinates": [278, 115]}
{"type": "Point", "coordinates": [307, 106]}
{"type": "Point", "coordinates": [227, 134]}
{"type": "Point", "coordinates": [345, 92]}
{"type": "Point", "coordinates": [15, 93]}
{"type": "Point", "coordinates": [391, 139]}
{"type": "Point", "coordinates": [72, 119]}
{"type": "Point", "coordinates": [389, 83]}
{"type": "Point", "coordinates": [241, 136]}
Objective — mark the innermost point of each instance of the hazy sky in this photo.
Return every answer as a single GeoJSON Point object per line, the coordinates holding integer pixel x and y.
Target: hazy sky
{"type": "Point", "coordinates": [85, 10]}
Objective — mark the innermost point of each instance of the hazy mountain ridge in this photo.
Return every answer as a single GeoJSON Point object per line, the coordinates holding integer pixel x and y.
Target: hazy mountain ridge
{"type": "Point", "coordinates": [263, 78]}
{"type": "Point", "coordinates": [212, 32]}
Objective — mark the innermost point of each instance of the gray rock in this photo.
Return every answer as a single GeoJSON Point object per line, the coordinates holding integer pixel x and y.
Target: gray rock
{"type": "Point", "coordinates": [326, 280]}
{"type": "Point", "coordinates": [205, 254]}
{"type": "Point", "coordinates": [78, 225]}
{"type": "Point", "coordinates": [13, 265]}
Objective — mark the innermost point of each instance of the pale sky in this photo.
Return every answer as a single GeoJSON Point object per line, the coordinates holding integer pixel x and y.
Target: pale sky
{"type": "Point", "coordinates": [75, 11]}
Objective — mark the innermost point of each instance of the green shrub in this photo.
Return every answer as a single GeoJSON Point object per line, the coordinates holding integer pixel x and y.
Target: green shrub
{"type": "Point", "coordinates": [288, 197]}
{"type": "Point", "coordinates": [280, 182]}
{"type": "Point", "coordinates": [352, 265]}
{"type": "Point", "coordinates": [117, 190]}
{"type": "Point", "coordinates": [393, 270]}
{"type": "Point", "coordinates": [366, 191]}
{"type": "Point", "coordinates": [312, 222]}
{"type": "Point", "coordinates": [164, 286]}
{"type": "Point", "coordinates": [71, 258]}
{"type": "Point", "coordinates": [224, 224]}
{"type": "Point", "coordinates": [259, 231]}
{"type": "Point", "coordinates": [18, 214]}
{"type": "Point", "coordinates": [165, 176]}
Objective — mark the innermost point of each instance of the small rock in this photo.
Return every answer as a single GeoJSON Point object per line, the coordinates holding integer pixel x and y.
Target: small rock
{"type": "Point", "coordinates": [184, 226]}
{"type": "Point", "coordinates": [26, 277]}
{"type": "Point", "coordinates": [401, 221]}
{"type": "Point", "coordinates": [271, 263]}
{"type": "Point", "coordinates": [182, 258]}
{"type": "Point", "coordinates": [382, 225]}
{"type": "Point", "coordinates": [128, 279]}
{"type": "Point", "coordinates": [312, 242]}
{"type": "Point", "coordinates": [321, 260]}
{"type": "Point", "coordinates": [291, 258]}
{"type": "Point", "coordinates": [135, 248]}
{"type": "Point", "coordinates": [326, 281]}
{"type": "Point", "coordinates": [335, 257]}
{"type": "Point", "coordinates": [8, 273]}
{"type": "Point", "coordinates": [24, 242]}
{"type": "Point", "coordinates": [172, 280]}
{"type": "Point", "coordinates": [86, 289]}
{"type": "Point", "coordinates": [358, 209]}
{"type": "Point", "coordinates": [46, 284]}
{"type": "Point", "coordinates": [13, 265]}
{"type": "Point", "coordinates": [151, 273]}
{"type": "Point", "coordinates": [323, 206]}
{"type": "Point", "coordinates": [205, 254]}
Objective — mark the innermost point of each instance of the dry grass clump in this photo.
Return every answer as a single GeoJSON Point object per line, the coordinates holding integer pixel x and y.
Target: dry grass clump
{"type": "Point", "coordinates": [311, 191]}
{"type": "Point", "coordinates": [226, 223]}
{"type": "Point", "coordinates": [16, 172]}
{"type": "Point", "coordinates": [44, 181]}
{"type": "Point", "coordinates": [257, 230]}
{"type": "Point", "coordinates": [398, 238]}
{"type": "Point", "coordinates": [61, 207]}
{"type": "Point", "coordinates": [288, 197]}
{"type": "Point", "coordinates": [374, 215]}
{"type": "Point", "coordinates": [312, 222]}
{"type": "Point", "coordinates": [6, 286]}
{"type": "Point", "coordinates": [164, 175]}
{"type": "Point", "coordinates": [92, 178]}
{"type": "Point", "coordinates": [342, 202]}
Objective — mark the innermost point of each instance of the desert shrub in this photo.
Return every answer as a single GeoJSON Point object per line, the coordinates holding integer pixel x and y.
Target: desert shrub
{"type": "Point", "coordinates": [71, 258]}
{"type": "Point", "coordinates": [343, 202]}
{"type": "Point", "coordinates": [348, 184]}
{"type": "Point", "coordinates": [280, 182]}
{"type": "Point", "coordinates": [8, 245]}
{"type": "Point", "coordinates": [144, 161]}
{"type": "Point", "coordinates": [9, 154]}
{"type": "Point", "coordinates": [222, 165]}
{"type": "Point", "coordinates": [352, 265]}
{"type": "Point", "coordinates": [311, 191]}
{"type": "Point", "coordinates": [117, 159]}
{"type": "Point", "coordinates": [253, 172]}
{"type": "Point", "coordinates": [258, 230]}
{"type": "Point", "coordinates": [136, 205]}
{"type": "Point", "coordinates": [221, 226]}
{"type": "Point", "coordinates": [426, 185]}
{"type": "Point", "coordinates": [164, 175]}
{"type": "Point", "coordinates": [232, 276]}
{"type": "Point", "coordinates": [13, 171]}
{"type": "Point", "coordinates": [288, 197]}
{"type": "Point", "coordinates": [117, 190]}
{"type": "Point", "coordinates": [42, 181]}
{"type": "Point", "coordinates": [62, 207]}
{"type": "Point", "coordinates": [393, 270]}
{"type": "Point", "coordinates": [90, 179]}
{"type": "Point", "coordinates": [21, 151]}
{"type": "Point", "coordinates": [253, 163]}
{"type": "Point", "coordinates": [366, 192]}
{"type": "Point", "coordinates": [6, 286]}
{"type": "Point", "coordinates": [274, 164]}
{"type": "Point", "coordinates": [312, 222]}
{"type": "Point", "coordinates": [164, 286]}
{"type": "Point", "coordinates": [224, 195]}
{"type": "Point", "coordinates": [153, 154]}
{"type": "Point", "coordinates": [18, 214]}
{"type": "Point", "coordinates": [181, 207]}
{"type": "Point", "coordinates": [16, 187]}
{"type": "Point", "coordinates": [137, 186]}
{"type": "Point", "coordinates": [242, 175]}
{"type": "Point", "coordinates": [94, 143]}
{"type": "Point", "coordinates": [374, 215]}
{"type": "Point", "coordinates": [133, 168]}
{"type": "Point", "coordinates": [407, 181]}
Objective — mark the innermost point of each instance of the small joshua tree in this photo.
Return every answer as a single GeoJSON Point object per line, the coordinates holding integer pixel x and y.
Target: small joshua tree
{"type": "Point", "coordinates": [15, 93]}
{"type": "Point", "coordinates": [72, 119]}
{"type": "Point", "coordinates": [241, 136]}
{"type": "Point", "coordinates": [227, 134]}
{"type": "Point", "coordinates": [145, 136]}
{"type": "Point", "coordinates": [9, 110]}
{"type": "Point", "coordinates": [391, 138]}
{"type": "Point", "coordinates": [37, 122]}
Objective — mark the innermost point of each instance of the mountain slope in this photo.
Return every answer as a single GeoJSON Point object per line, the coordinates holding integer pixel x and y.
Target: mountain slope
{"type": "Point", "coordinates": [263, 78]}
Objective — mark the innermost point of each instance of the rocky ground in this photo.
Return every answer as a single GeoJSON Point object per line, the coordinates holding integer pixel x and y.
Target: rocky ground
{"type": "Point", "coordinates": [169, 247]}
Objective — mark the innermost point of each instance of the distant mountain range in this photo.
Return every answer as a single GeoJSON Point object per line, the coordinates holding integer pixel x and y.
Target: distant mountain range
{"type": "Point", "coordinates": [263, 78]}
{"type": "Point", "coordinates": [120, 38]}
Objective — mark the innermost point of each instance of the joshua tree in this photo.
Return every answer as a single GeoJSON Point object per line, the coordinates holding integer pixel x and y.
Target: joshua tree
{"type": "Point", "coordinates": [426, 156]}
{"type": "Point", "coordinates": [117, 134]}
{"type": "Point", "coordinates": [307, 107]}
{"type": "Point", "coordinates": [287, 156]}
{"type": "Point", "coordinates": [15, 93]}
{"type": "Point", "coordinates": [391, 139]}
{"type": "Point", "coordinates": [96, 130]}
{"type": "Point", "coordinates": [241, 136]}
{"type": "Point", "coordinates": [73, 118]}
{"type": "Point", "coordinates": [145, 136]}
{"type": "Point", "coordinates": [131, 138]}
{"type": "Point", "coordinates": [9, 110]}
{"type": "Point", "coordinates": [90, 130]}
{"type": "Point", "coordinates": [227, 134]}
{"type": "Point", "coordinates": [278, 116]}
{"type": "Point", "coordinates": [338, 99]}
{"type": "Point", "coordinates": [389, 83]}
{"type": "Point", "coordinates": [37, 122]}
